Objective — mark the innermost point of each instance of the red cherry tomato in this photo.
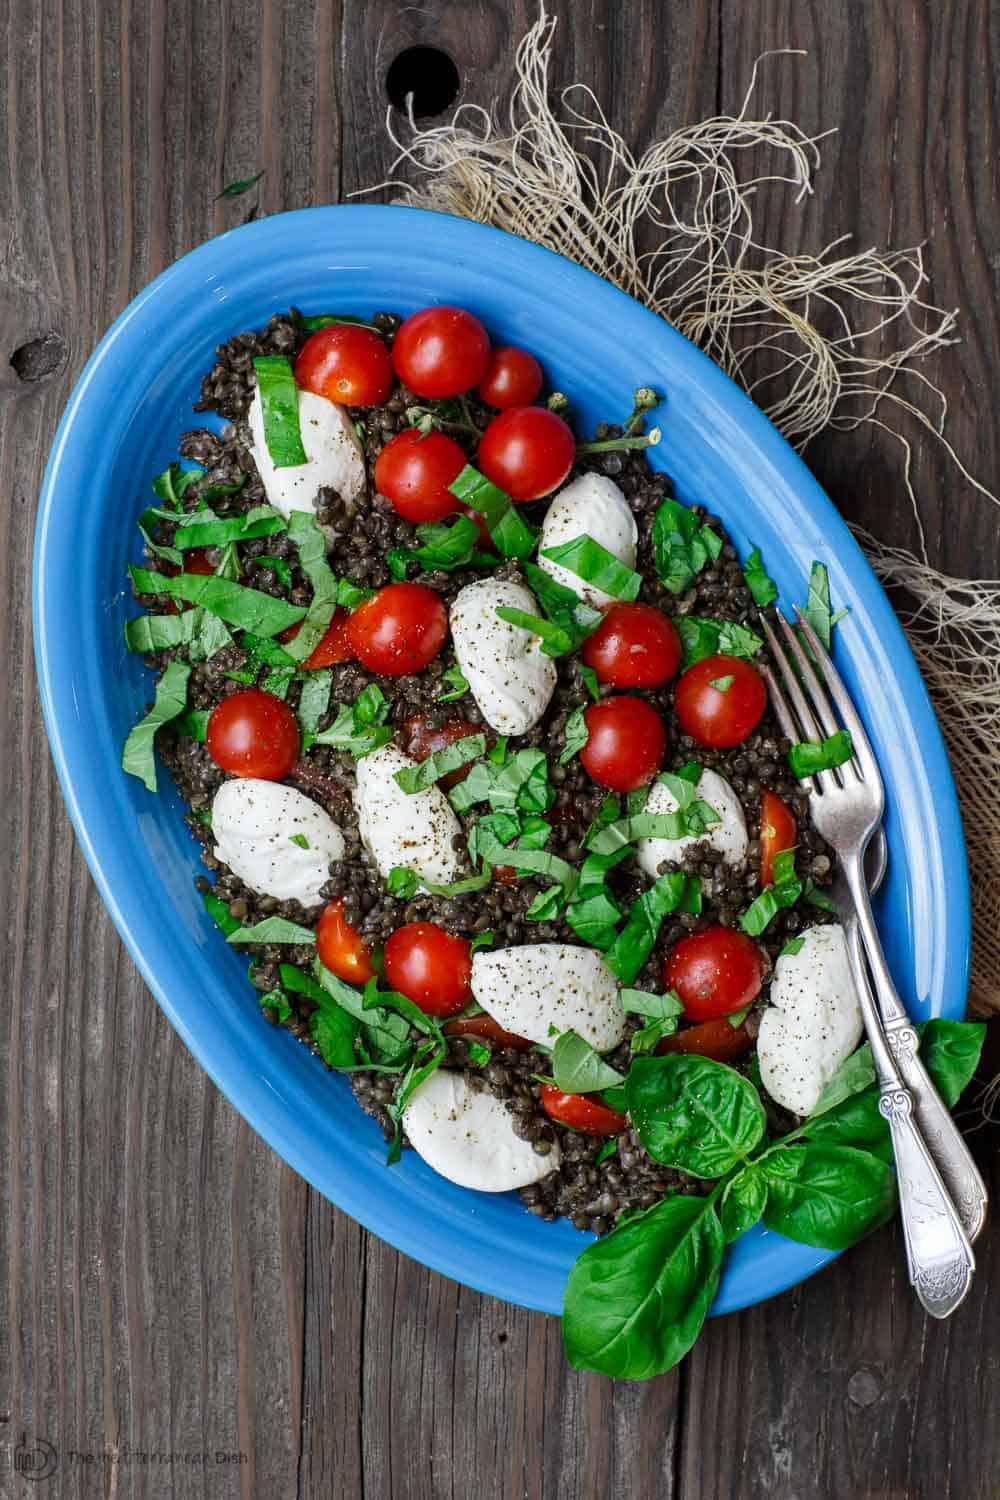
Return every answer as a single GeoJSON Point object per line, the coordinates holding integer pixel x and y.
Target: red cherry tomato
{"type": "Point", "coordinates": [626, 740]}
{"type": "Point", "coordinates": [441, 351]}
{"type": "Point", "coordinates": [400, 630]}
{"type": "Point", "coordinates": [341, 947]}
{"type": "Point", "coordinates": [253, 734]}
{"type": "Point", "coordinates": [715, 972]}
{"type": "Point", "coordinates": [778, 831]}
{"type": "Point", "coordinates": [584, 1112]}
{"type": "Point", "coordinates": [527, 451]}
{"type": "Point", "coordinates": [421, 739]}
{"type": "Point", "coordinates": [514, 378]}
{"type": "Point", "coordinates": [333, 646]}
{"type": "Point", "coordinates": [715, 1039]}
{"type": "Point", "coordinates": [487, 1030]}
{"type": "Point", "coordinates": [720, 716]}
{"type": "Point", "coordinates": [431, 967]}
{"type": "Point", "coordinates": [346, 364]}
{"type": "Point", "coordinates": [485, 536]}
{"type": "Point", "coordinates": [635, 645]}
{"type": "Point", "coordinates": [414, 471]}
{"type": "Point", "coordinates": [197, 561]}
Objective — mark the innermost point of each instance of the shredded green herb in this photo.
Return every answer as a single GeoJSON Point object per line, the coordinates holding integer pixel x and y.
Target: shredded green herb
{"type": "Point", "coordinates": [171, 699]}
{"type": "Point", "coordinates": [279, 400]}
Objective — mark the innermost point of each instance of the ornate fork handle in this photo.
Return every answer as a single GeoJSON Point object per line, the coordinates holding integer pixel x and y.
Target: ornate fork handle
{"type": "Point", "coordinates": [938, 1251]}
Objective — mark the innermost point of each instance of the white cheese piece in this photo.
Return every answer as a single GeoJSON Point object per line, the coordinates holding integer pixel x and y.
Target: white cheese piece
{"type": "Point", "coordinates": [510, 677]}
{"type": "Point", "coordinates": [729, 835]}
{"type": "Point", "coordinates": [813, 1021]}
{"type": "Point", "coordinates": [398, 828]}
{"type": "Point", "coordinates": [254, 823]}
{"type": "Point", "coordinates": [333, 452]}
{"type": "Point", "coordinates": [468, 1136]}
{"type": "Point", "coordinates": [593, 506]}
{"type": "Point", "coordinates": [534, 989]}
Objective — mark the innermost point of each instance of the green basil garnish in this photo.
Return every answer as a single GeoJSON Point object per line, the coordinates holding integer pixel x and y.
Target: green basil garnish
{"type": "Point", "coordinates": [635, 942]}
{"type": "Point", "coordinates": [216, 531]}
{"type": "Point", "coordinates": [692, 819]}
{"type": "Point", "coordinates": [171, 700]}
{"type": "Point", "coordinates": [316, 321]}
{"type": "Point", "coordinates": [783, 892]}
{"type": "Point", "coordinates": [763, 589]}
{"type": "Point", "coordinates": [172, 484]}
{"type": "Point", "coordinates": [244, 608]}
{"type": "Point", "coordinates": [417, 778]}
{"type": "Point", "coordinates": [693, 1114]}
{"type": "Point", "coordinates": [818, 609]}
{"type": "Point", "coordinates": [194, 724]}
{"type": "Point", "coordinates": [220, 913]}
{"type": "Point", "coordinates": [811, 756]}
{"type": "Point", "coordinates": [578, 1069]}
{"type": "Point", "coordinates": [273, 930]}
{"type": "Point", "coordinates": [682, 545]}
{"type": "Point", "coordinates": [279, 400]}
{"type": "Point", "coordinates": [360, 727]}
{"type": "Point", "coordinates": [443, 547]}
{"type": "Point", "coordinates": [314, 700]}
{"type": "Point", "coordinates": [307, 536]}
{"type": "Point", "coordinates": [575, 736]}
{"type": "Point", "coordinates": [458, 684]}
{"type": "Point", "coordinates": [278, 566]}
{"type": "Point", "coordinates": [243, 185]}
{"type": "Point", "coordinates": [595, 564]}
{"type": "Point", "coordinates": [511, 783]}
{"type": "Point", "coordinates": [703, 637]}
{"type": "Point", "coordinates": [512, 536]}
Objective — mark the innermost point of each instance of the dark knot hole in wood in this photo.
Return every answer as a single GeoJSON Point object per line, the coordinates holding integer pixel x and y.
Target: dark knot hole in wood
{"type": "Point", "coordinates": [429, 75]}
{"type": "Point", "coordinates": [39, 358]}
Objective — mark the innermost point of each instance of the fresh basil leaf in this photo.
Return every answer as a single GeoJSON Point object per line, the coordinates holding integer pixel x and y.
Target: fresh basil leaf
{"type": "Point", "coordinates": [266, 650]}
{"type": "Point", "coordinates": [818, 610]}
{"type": "Point", "coordinates": [243, 185]}
{"type": "Point", "coordinates": [635, 942]}
{"type": "Point", "coordinates": [387, 1032]}
{"type": "Point", "coordinates": [576, 735]}
{"type": "Point", "coordinates": [464, 887]}
{"type": "Point", "coordinates": [314, 699]}
{"type": "Point", "coordinates": [562, 605]}
{"type": "Point", "coordinates": [512, 536]}
{"type": "Point", "coordinates": [607, 1149]}
{"type": "Point", "coordinates": [174, 481]}
{"type": "Point", "coordinates": [417, 778]}
{"type": "Point", "coordinates": [360, 727]}
{"type": "Point", "coordinates": [214, 531]}
{"type": "Point", "coordinates": [402, 883]}
{"type": "Point", "coordinates": [426, 1060]}
{"type": "Point", "coordinates": [273, 930]}
{"type": "Point", "coordinates": [608, 812]}
{"type": "Point", "coordinates": [220, 914]}
{"type": "Point", "coordinates": [827, 1196]}
{"type": "Point", "coordinates": [782, 893]}
{"type": "Point", "coordinates": [703, 637]}
{"type": "Point", "coordinates": [374, 999]}
{"type": "Point", "coordinates": [578, 1069]}
{"type": "Point", "coordinates": [589, 677]}
{"type": "Point", "coordinates": [682, 546]}
{"type": "Point", "coordinates": [793, 946]}
{"type": "Point", "coordinates": [555, 641]}
{"type": "Point", "coordinates": [458, 684]}
{"type": "Point", "coordinates": [517, 783]}
{"type": "Point", "coordinates": [743, 1201]}
{"type": "Point", "coordinates": [316, 321]}
{"type": "Point", "coordinates": [647, 1038]}
{"type": "Point", "coordinates": [636, 1300]}
{"type": "Point", "coordinates": [692, 819]}
{"type": "Point", "coordinates": [854, 1121]}
{"type": "Point", "coordinates": [763, 590]}
{"type": "Point", "coordinates": [595, 919]}
{"type": "Point", "coordinates": [244, 608]}
{"type": "Point", "coordinates": [161, 632]}
{"type": "Point", "coordinates": [478, 1053]}
{"type": "Point", "coordinates": [811, 756]}
{"type": "Point", "coordinates": [855, 1074]}
{"type": "Point", "coordinates": [616, 1098]}
{"type": "Point", "coordinates": [334, 1033]}
{"type": "Point", "coordinates": [299, 839]}
{"type": "Point", "coordinates": [277, 1001]}
{"type": "Point", "coordinates": [194, 724]}
{"type": "Point", "coordinates": [951, 1050]}
{"type": "Point", "coordinates": [169, 554]}
{"type": "Point", "coordinates": [305, 532]}
{"type": "Point", "coordinates": [645, 1003]}
{"type": "Point", "coordinates": [444, 547]}
{"type": "Point", "coordinates": [279, 400]}
{"type": "Point", "coordinates": [596, 565]}
{"type": "Point", "coordinates": [278, 682]}
{"type": "Point", "coordinates": [211, 636]}
{"type": "Point", "coordinates": [229, 563]}
{"type": "Point", "coordinates": [278, 566]}
{"type": "Point", "coordinates": [138, 757]}
{"type": "Point", "coordinates": [694, 1114]}
{"type": "Point", "coordinates": [722, 684]}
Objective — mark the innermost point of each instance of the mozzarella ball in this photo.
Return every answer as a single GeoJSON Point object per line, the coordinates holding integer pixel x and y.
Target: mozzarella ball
{"type": "Point", "coordinates": [813, 1022]}
{"type": "Point", "coordinates": [254, 823]}
{"type": "Point", "coordinates": [593, 506]}
{"type": "Point", "coordinates": [544, 989]}
{"type": "Point", "coordinates": [417, 830]}
{"type": "Point", "coordinates": [728, 836]}
{"type": "Point", "coordinates": [509, 675]}
{"type": "Point", "coordinates": [333, 453]}
{"type": "Point", "coordinates": [468, 1136]}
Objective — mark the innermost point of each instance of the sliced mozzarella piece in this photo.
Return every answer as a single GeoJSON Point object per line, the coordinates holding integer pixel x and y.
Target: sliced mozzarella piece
{"type": "Point", "coordinates": [398, 828]}
{"type": "Point", "coordinates": [333, 452]}
{"type": "Point", "coordinates": [593, 506]}
{"type": "Point", "coordinates": [510, 677]}
{"type": "Point", "coordinates": [468, 1136]}
{"type": "Point", "coordinates": [254, 823]}
{"type": "Point", "coordinates": [813, 1022]}
{"type": "Point", "coordinates": [729, 835]}
{"type": "Point", "coordinates": [547, 988]}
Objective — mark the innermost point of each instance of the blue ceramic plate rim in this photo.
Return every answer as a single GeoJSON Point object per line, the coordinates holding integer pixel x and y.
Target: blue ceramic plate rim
{"type": "Point", "coordinates": [762, 1263]}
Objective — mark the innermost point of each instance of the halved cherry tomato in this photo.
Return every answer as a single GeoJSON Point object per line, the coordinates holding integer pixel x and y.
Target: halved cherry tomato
{"type": "Point", "coordinates": [341, 947]}
{"type": "Point", "coordinates": [715, 972]}
{"type": "Point", "coordinates": [346, 364]}
{"type": "Point", "coordinates": [441, 351]}
{"type": "Point", "coordinates": [635, 645]}
{"type": "Point", "coordinates": [514, 378]}
{"type": "Point", "coordinates": [487, 1030]}
{"type": "Point", "coordinates": [197, 561]}
{"type": "Point", "coordinates": [485, 535]}
{"type": "Point", "coordinates": [778, 831]}
{"type": "Point", "coordinates": [414, 471]}
{"type": "Point", "coordinates": [400, 630]}
{"type": "Point", "coordinates": [431, 967]}
{"type": "Point", "coordinates": [715, 1039]}
{"type": "Point", "coordinates": [421, 739]}
{"type": "Point", "coordinates": [584, 1112]}
{"type": "Point", "coordinates": [253, 734]}
{"type": "Point", "coordinates": [333, 646]}
{"type": "Point", "coordinates": [724, 715]}
{"type": "Point", "coordinates": [527, 451]}
{"type": "Point", "coordinates": [626, 741]}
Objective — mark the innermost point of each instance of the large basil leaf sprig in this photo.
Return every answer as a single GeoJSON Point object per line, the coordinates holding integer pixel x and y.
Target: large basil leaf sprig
{"type": "Point", "coordinates": [694, 1114]}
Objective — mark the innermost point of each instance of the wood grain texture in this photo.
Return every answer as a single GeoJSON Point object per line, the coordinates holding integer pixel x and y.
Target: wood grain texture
{"type": "Point", "coordinates": [167, 1286]}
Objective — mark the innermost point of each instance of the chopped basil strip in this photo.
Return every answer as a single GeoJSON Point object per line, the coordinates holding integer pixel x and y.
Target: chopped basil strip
{"type": "Point", "coordinates": [443, 547]}
{"type": "Point", "coordinates": [451, 758]}
{"type": "Point", "coordinates": [278, 682]}
{"type": "Point", "coordinates": [818, 610]}
{"type": "Point", "coordinates": [373, 998]}
{"type": "Point", "coordinates": [386, 1032]}
{"type": "Point", "coordinates": [458, 684]}
{"type": "Point", "coordinates": [530, 831]}
{"type": "Point", "coordinates": [737, 1017]}
{"type": "Point", "coordinates": [171, 699]}
{"type": "Point", "coordinates": [266, 650]}
{"type": "Point", "coordinates": [360, 727]}
{"type": "Point", "coordinates": [609, 1148]}
{"type": "Point", "coordinates": [693, 819]}
{"type": "Point", "coordinates": [481, 940]}
{"type": "Point", "coordinates": [634, 943]}
{"type": "Point", "coordinates": [426, 1060]}
{"type": "Point", "coordinates": [317, 321]}
{"type": "Point", "coordinates": [512, 536]}
{"type": "Point", "coordinates": [402, 882]}
{"type": "Point", "coordinates": [811, 756]}
{"type": "Point", "coordinates": [194, 724]}
{"type": "Point", "coordinates": [656, 1007]}
{"type": "Point", "coordinates": [595, 564]}
{"type": "Point", "coordinates": [159, 632]}
{"type": "Point", "coordinates": [682, 545]}
{"type": "Point", "coordinates": [169, 554]}
{"type": "Point", "coordinates": [519, 782]}
{"type": "Point", "coordinates": [273, 930]}
{"type": "Point", "coordinates": [722, 684]}
{"type": "Point", "coordinates": [578, 1069]}
{"type": "Point", "coordinates": [703, 637]}
{"type": "Point", "coordinates": [299, 839]}
{"type": "Point", "coordinates": [174, 481]}
{"type": "Point", "coordinates": [220, 913]}
{"type": "Point", "coordinates": [234, 189]}
{"type": "Point", "coordinates": [783, 892]}
{"type": "Point", "coordinates": [590, 682]}
{"type": "Point", "coordinates": [229, 563]}
{"type": "Point", "coordinates": [278, 566]}
{"type": "Point", "coordinates": [314, 700]}
{"type": "Point", "coordinates": [763, 589]}
{"type": "Point", "coordinates": [555, 640]}
{"type": "Point", "coordinates": [351, 595]}
{"type": "Point", "coordinates": [478, 1053]}
{"type": "Point", "coordinates": [279, 399]}
{"type": "Point", "coordinates": [307, 536]}
{"type": "Point", "coordinates": [818, 898]}
{"type": "Point", "coordinates": [262, 520]}
{"type": "Point", "coordinates": [793, 946]}
{"type": "Point", "coordinates": [576, 736]}
{"type": "Point", "coordinates": [244, 608]}
{"type": "Point", "coordinates": [593, 913]}
{"type": "Point", "coordinates": [648, 1037]}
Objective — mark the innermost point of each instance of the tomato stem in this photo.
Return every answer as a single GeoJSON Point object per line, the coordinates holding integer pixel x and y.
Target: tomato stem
{"type": "Point", "coordinates": [612, 445]}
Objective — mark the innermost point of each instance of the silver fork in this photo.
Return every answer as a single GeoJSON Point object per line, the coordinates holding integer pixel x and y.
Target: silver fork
{"type": "Point", "coordinates": [847, 806]}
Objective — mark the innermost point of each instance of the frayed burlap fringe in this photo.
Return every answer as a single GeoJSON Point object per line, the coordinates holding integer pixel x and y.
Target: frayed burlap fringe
{"type": "Point", "coordinates": [805, 335]}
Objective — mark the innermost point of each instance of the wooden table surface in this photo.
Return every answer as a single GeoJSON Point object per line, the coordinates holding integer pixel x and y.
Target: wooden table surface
{"type": "Point", "coordinates": [167, 1286]}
